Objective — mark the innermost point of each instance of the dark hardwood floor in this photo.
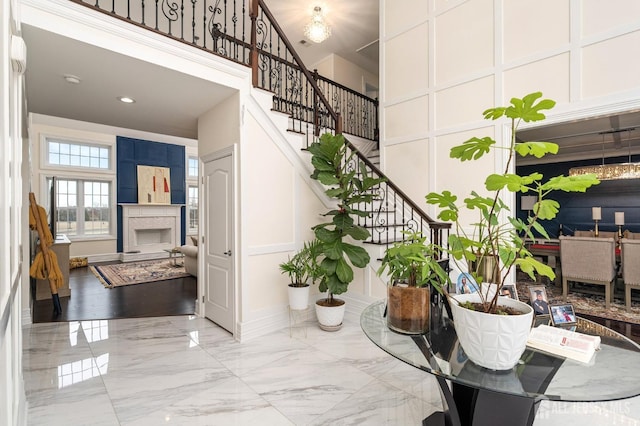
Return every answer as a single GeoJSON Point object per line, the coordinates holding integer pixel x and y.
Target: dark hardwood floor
{"type": "Point", "coordinates": [90, 300]}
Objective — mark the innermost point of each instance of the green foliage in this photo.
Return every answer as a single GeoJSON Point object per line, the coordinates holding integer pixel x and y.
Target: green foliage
{"type": "Point", "coordinates": [491, 237]}
{"type": "Point", "coordinates": [414, 262]}
{"type": "Point", "coordinates": [332, 162]}
{"type": "Point", "coordinates": [303, 267]}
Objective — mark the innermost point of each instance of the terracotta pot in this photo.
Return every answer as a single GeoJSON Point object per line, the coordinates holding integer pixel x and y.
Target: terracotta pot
{"type": "Point", "coordinates": [408, 309]}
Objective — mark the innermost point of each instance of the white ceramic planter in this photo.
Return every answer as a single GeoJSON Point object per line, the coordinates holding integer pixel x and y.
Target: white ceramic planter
{"type": "Point", "coordinates": [492, 341]}
{"type": "Point", "coordinates": [330, 317]}
{"type": "Point", "coordinates": [298, 297]}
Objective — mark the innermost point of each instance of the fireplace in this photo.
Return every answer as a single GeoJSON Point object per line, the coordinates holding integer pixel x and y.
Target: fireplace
{"type": "Point", "coordinates": [149, 229]}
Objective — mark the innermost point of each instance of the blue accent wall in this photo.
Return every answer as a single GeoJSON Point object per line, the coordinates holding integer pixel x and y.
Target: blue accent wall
{"type": "Point", "coordinates": [621, 195]}
{"type": "Point", "coordinates": [133, 152]}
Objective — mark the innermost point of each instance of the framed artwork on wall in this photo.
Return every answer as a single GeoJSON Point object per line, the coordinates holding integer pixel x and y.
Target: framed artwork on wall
{"type": "Point", "coordinates": [154, 185]}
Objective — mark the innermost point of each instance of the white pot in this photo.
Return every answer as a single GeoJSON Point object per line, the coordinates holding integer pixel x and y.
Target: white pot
{"type": "Point", "coordinates": [298, 297]}
{"type": "Point", "coordinates": [330, 317]}
{"type": "Point", "coordinates": [492, 341]}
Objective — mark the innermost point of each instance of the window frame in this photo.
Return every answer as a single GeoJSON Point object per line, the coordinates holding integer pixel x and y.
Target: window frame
{"type": "Point", "coordinates": [191, 181]}
{"type": "Point", "coordinates": [84, 174]}
{"type": "Point", "coordinates": [46, 165]}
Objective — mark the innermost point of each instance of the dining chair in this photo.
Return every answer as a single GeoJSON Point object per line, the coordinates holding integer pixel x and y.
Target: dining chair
{"type": "Point", "coordinates": [588, 260]}
{"type": "Point", "coordinates": [630, 268]}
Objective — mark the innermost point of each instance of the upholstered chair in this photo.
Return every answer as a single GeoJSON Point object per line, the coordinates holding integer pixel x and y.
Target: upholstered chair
{"type": "Point", "coordinates": [191, 257]}
{"type": "Point", "coordinates": [630, 256]}
{"type": "Point", "coordinates": [588, 260]}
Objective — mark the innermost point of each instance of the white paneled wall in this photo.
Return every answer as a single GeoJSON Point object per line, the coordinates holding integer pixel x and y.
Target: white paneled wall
{"type": "Point", "coordinates": [444, 62]}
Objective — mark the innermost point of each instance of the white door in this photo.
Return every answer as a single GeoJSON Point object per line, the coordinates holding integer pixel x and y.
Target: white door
{"type": "Point", "coordinates": [219, 294]}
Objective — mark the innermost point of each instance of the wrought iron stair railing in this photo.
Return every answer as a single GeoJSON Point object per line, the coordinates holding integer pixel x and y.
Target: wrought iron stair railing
{"type": "Point", "coordinates": [246, 32]}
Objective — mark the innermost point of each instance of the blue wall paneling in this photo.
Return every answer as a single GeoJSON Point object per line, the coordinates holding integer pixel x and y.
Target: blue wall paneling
{"type": "Point", "coordinates": [133, 152]}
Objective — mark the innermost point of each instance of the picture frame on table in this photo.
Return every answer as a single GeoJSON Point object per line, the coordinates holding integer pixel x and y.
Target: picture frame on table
{"type": "Point", "coordinates": [466, 284]}
{"type": "Point", "coordinates": [563, 315]}
{"type": "Point", "coordinates": [509, 290]}
{"type": "Point", "coordinates": [539, 300]}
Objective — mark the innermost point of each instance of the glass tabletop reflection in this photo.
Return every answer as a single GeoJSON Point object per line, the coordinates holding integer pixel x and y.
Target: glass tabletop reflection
{"type": "Point", "coordinates": [613, 373]}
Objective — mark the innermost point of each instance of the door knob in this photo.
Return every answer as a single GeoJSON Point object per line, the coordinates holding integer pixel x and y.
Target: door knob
{"type": "Point", "coordinates": [228, 253]}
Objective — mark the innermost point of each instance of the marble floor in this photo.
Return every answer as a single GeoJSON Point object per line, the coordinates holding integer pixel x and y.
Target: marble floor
{"type": "Point", "coordinates": [184, 370]}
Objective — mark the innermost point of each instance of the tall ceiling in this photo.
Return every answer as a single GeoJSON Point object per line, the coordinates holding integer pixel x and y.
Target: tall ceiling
{"type": "Point", "coordinates": [105, 75]}
{"type": "Point", "coordinates": [169, 102]}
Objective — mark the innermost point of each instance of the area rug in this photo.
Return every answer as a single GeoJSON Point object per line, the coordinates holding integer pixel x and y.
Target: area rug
{"type": "Point", "coordinates": [587, 304]}
{"type": "Point", "coordinates": [120, 274]}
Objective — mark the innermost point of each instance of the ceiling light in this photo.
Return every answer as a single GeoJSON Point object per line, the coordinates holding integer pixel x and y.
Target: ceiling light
{"type": "Point", "coordinates": [72, 79]}
{"type": "Point", "coordinates": [611, 171]}
{"type": "Point", "coordinates": [317, 30]}
{"type": "Point", "coordinates": [126, 99]}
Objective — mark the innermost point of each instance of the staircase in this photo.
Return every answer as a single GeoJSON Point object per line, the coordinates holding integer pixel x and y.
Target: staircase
{"type": "Point", "coordinates": [246, 32]}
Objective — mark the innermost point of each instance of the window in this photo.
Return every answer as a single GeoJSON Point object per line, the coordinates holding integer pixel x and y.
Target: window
{"type": "Point", "coordinates": [192, 203]}
{"type": "Point", "coordinates": [192, 193]}
{"type": "Point", "coordinates": [85, 186]}
{"type": "Point", "coordinates": [192, 167]}
{"type": "Point", "coordinates": [83, 207]}
{"type": "Point", "coordinates": [83, 155]}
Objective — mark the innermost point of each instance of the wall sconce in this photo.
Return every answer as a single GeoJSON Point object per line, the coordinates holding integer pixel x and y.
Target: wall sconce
{"type": "Point", "coordinates": [620, 222]}
{"type": "Point", "coordinates": [596, 215]}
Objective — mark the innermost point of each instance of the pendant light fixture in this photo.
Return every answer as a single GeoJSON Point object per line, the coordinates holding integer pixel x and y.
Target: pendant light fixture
{"type": "Point", "coordinates": [317, 30]}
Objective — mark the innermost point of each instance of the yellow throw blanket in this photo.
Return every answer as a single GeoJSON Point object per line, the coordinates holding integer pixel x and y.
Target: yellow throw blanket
{"type": "Point", "coordinates": [48, 238]}
{"type": "Point", "coordinates": [38, 268]}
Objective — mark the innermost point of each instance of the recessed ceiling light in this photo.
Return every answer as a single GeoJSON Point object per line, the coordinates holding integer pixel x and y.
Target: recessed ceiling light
{"type": "Point", "coordinates": [126, 99]}
{"type": "Point", "coordinates": [72, 79]}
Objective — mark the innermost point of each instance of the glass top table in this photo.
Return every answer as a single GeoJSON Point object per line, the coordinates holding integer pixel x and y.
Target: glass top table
{"type": "Point", "coordinates": [614, 372]}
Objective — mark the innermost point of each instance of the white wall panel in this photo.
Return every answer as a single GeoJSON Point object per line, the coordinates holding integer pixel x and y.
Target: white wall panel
{"type": "Point", "coordinates": [269, 190]}
{"type": "Point", "coordinates": [406, 67]}
{"type": "Point", "coordinates": [398, 17]}
{"type": "Point", "coordinates": [407, 118]}
{"type": "Point", "coordinates": [549, 76]}
{"type": "Point", "coordinates": [462, 177]}
{"type": "Point", "coordinates": [406, 165]}
{"type": "Point", "coordinates": [463, 103]}
{"type": "Point", "coordinates": [464, 40]}
{"type": "Point", "coordinates": [532, 27]}
{"type": "Point", "coordinates": [600, 16]}
{"type": "Point", "coordinates": [611, 66]}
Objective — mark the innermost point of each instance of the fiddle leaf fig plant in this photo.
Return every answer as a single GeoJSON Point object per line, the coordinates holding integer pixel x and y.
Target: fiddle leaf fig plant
{"type": "Point", "coordinates": [496, 233]}
{"type": "Point", "coordinates": [349, 184]}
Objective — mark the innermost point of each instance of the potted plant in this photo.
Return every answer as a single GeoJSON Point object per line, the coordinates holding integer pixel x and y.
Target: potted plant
{"type": "Point", "coordinates": [413, 268]}
{"type": "Point", "coordinates": [303, 270]}
{"type": "Point", "coordinates": [495, 242]}
{"type": "Point", "coordinates": [349, 184]}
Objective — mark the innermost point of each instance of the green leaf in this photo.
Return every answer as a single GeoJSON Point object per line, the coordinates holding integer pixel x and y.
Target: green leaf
{"type": "Point", "coordinates": [472, 149]}
{"type": "Point", "coordinates": [326, 235]}
{"type": "Point", "coordinates": [527, 109]}
{"type": "Point", "coordinates": [335, 286]}
{"type": "Point", "coordinates": [357, 232]}
{"type": "Point", "coordinates": [531, 266]}
{"type": "Point", "coordinates": [547, 209]}
{"type": "Point", "coordinates": [357, 255]}
{"type": "Point", "coordinates": [343, 220]}
{"type": "Point", "coordinates": [579, 183]}
{"type": "Point", "coordinates": [344, 271]}
{"type": "Point", "coordinates": [537, 149]}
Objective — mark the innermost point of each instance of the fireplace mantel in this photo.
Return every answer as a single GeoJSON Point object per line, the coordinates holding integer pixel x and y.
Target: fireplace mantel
{"type": "Point", "coordinates": [150, 228]}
